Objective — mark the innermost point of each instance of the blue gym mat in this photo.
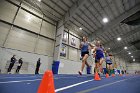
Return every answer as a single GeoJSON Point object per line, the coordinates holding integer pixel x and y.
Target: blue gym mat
{"type": "Point", "coordinates": [71, 84]}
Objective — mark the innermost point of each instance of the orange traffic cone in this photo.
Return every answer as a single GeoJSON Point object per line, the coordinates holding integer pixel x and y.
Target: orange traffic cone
{"type": "Point", "coordinates": [96, 77]}
{"type": "Point", "coordinates": [47, 83]}
{"type": "Point", "coordinates": [107, 75]}
{"type": "Point", "coordinates": [113, 75]}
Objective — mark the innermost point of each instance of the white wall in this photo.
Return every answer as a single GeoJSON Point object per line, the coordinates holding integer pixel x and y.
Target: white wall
{"type": "Point", "coordinates": [71, 64]}
{"type": "Point", "coordinates": [35, 37]}
{"type": "Point", "coordinates": [132, 67]}
{"type": "Point", "coordinates": [6, 54]}
{"type": "Point", "coordinates": [69, 67]}
{"type": "Point", "coordinates": [120, 62]}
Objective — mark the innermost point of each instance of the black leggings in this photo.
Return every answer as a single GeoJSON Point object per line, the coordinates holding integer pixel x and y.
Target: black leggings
{"type": "Point", "coordinates": [37, 70]}
{"type": "Point", "coordinates": [10, 67]}
{"type": "Point", "coordinates": [18, 68]}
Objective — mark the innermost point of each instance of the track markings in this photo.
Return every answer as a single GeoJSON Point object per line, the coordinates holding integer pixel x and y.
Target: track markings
{"type": "Point", "coordinates": [88, 90]}
{"type": "Point", "coordinates": [67, 87]}
{"type": "Point", "coordinates": [20, 77]}
{"type": "Point", "coordinates": [20, 81]}
{"type": "Point", "coordinates": [98, 87]}
{"type": "Point", "coordinates": [105, 85]}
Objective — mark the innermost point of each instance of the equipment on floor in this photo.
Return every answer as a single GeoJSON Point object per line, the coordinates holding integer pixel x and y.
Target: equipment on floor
{"type": "Point", "coordinates": [47, 83]}
{"type": "Point", "coordinates": [97, 77]}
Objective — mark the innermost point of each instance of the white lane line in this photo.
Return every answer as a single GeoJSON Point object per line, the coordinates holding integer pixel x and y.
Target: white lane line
{"type": "Point", "coordinates": [21, 77]}
{"type": "Point", "coordinates": [38, 77]}
{"type": "Point", "coordinates": [41, 77]}
{"type": "Point", "coordinates": [25, 81]}
{"type": "Point", "coordinates": [98, 87]}
{"type": "Point", "coordinates": [67, 87]}
{"type": "Point", "coordinates": [20, 81]}
{"type": "Point", "coordinates": [105, 85]}
{"type": "Point", "coordinates": [34, 79]}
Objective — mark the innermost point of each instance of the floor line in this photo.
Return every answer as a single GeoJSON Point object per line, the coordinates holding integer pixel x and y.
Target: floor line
{"type": "Point", "coordinates": [105, 85]}
{"type": "Point", "coordinates": [20, 77]}
{"type": "Point", "coordinates": [98, 87]}
{"type": "Point", "coordinates": [63, 88]}
{"type": "Point", "coordinates": [19, 81]}
{"type": "Point", "coordinates": [42, 76]}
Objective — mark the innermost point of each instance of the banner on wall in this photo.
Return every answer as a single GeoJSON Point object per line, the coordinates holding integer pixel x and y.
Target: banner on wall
{"type": "Point", "coordinates": [63, 50]}
{"type": "Point", "coordinates": [64, 37]}
{"type": "Point", "coordinates": [73, 42]}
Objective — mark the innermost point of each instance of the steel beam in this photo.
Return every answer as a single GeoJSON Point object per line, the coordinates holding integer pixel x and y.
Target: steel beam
{"type": "Point", "coordinates": [123, 36]}
{"type": "Point", "coordinates": [117, 21]}
{"type": "Point", "coordinates": [73, 10]}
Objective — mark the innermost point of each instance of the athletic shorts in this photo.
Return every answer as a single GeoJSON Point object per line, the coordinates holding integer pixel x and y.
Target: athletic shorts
{"type": "Point", "coordinates": [108, 62]}
{"type": "Point", "coordinates": [83, 53]}
{"type": "Point", "coordinates": [98, 57]}
{"type": "Point", "coordinates": [96, 61]}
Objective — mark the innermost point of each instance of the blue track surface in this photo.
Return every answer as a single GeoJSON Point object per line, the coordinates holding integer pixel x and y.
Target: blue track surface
{"type": "Point", "coordinates": [30, 83]}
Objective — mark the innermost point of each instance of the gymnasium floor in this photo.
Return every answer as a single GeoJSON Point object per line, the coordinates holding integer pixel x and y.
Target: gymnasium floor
{"type": "Point", "coordinates": [71, 84]}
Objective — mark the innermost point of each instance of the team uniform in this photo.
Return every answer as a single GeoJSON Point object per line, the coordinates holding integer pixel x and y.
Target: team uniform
{"type": "Point", "coordinates": [109, 63]}
{"type": "Point", "coordinates": [108, 60]}
{"type": "Point", "coordinates": [99, 54]}
{"type": "Point", "coordinates": [85, 48]}
{"type": "Point", "coordinates": [84, 51]}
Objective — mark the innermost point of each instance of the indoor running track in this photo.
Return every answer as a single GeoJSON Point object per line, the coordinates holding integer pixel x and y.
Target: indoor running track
{"type": "Point", "coordinates": [71, 84]}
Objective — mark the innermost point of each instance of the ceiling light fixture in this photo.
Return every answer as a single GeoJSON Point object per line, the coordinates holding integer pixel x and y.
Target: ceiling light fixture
{"type": "Point", "coordinates": [39, 0]}
{"type": "Point", "coordinates": [132, 56]}
{"type": "Point", "coordinates": [119, 39]}
{"type": "Point", "coordinates": [129, 53]}
{"type": "Point", "coordinates": [125, 48]}
{"type": "Point", "coordinates": [80, 28]}
{"type": "Point", "coordinates": [105, 20]}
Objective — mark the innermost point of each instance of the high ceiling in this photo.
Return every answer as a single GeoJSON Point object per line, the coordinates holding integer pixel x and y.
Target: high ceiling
{"type": "Point", "coordinates": [88, 14]}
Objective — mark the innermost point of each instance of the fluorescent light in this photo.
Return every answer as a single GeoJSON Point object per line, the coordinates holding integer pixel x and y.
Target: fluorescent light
{"type": "Point", "coordinates": [133, 59]}
{"type": "Point", "coordinates": [132, 56]}
{"type": "Point", "coordinates": [119, 38]}
{"type": "Point", "coordinates": [80, 28]}
{"type": "Point", "coordinates": [39, 0]}
{"type": "Point", "coordinates": [129, 53]}
{"type": "Point", "coordinates": [105, 20]}
{"type": "Point", "coordinates": [125, 48]}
